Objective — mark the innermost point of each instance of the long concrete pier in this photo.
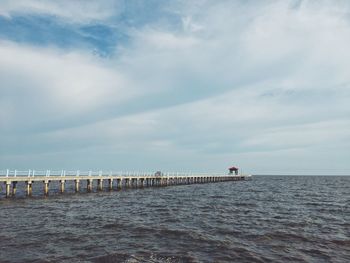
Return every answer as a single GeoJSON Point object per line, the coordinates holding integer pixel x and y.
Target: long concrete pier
{"type": "Point", "coordinates": [116, 180]}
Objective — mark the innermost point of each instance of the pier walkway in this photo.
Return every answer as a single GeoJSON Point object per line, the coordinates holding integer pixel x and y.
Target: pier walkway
{"type": "Point", "coordinates": [116, 180]}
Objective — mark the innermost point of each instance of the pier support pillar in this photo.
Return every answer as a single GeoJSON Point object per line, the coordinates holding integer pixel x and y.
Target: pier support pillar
{"type": "Point", "coordinates": [62, 183]}
{"type": "Point", "coordinates": [76, 182]}
{"type": "Point", "coordinates": [110, 184]}
{"type": "Point", "coordinates": [89, 185]}
{"type": "Point", "coordinates": [14, 188]}
{"type": "Point", "coordinates": [46, 187]}
{"type": "Point", "coordinates": [8, 184]}
{"type": "Point", "coordinates": [100, 184]}
{"type": "Point", "coordinates": [29, 188]}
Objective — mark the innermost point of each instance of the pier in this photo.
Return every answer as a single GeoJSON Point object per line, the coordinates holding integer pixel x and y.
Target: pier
{"type": "Point", "coordinates": [114, 180]}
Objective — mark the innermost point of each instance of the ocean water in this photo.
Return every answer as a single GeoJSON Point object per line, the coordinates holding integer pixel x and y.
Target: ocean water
{"type": "Point", "coordinates": [268, 219]}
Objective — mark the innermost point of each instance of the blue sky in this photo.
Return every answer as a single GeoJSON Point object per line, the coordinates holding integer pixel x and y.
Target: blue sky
{"type": "Point", "coordinates": [175, 85]}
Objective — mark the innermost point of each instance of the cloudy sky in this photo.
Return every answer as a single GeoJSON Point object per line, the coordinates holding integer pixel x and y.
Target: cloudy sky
{"type": "Point", "coordinates": [175, 85]}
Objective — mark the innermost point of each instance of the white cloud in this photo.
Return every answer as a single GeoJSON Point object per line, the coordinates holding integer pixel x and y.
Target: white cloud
{"type": "Point", "coordinates": [326, 133]}
{"type": "Point", "coordinates": [167, 41]}
{"type": "Point", "coordinates": [49, 86]}
{"type": "Point", "coordinates": [70, 10]}
{"type": "Point", "coordinates": [261, 83]}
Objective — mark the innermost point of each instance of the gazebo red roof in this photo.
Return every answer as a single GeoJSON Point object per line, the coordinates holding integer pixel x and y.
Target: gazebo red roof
{"type": "Point", "coordinates": [233, 168]}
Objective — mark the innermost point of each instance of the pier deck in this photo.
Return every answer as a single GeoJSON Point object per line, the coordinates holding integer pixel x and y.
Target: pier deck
{"type": "Point", "coordinates": [122, 180]}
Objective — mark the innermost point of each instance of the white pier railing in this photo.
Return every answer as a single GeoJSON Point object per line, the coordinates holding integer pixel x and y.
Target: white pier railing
{"type": "Point", "coordinates": [67, 173]}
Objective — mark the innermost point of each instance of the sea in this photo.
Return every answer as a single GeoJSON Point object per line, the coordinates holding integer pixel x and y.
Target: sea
{"type": "Point", "coordinates": [267, 219]}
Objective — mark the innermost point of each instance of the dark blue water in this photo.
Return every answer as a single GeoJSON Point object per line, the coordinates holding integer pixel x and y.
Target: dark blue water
{"type": "Point", "coordinates": [268, 219]}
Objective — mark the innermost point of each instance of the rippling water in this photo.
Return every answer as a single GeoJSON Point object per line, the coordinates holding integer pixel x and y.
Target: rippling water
{"type": "Point", "coordinates": [271, 218]}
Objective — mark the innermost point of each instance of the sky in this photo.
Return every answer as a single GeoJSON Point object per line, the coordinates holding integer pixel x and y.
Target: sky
{"type": "Point", "coordinates": [186, 86]}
